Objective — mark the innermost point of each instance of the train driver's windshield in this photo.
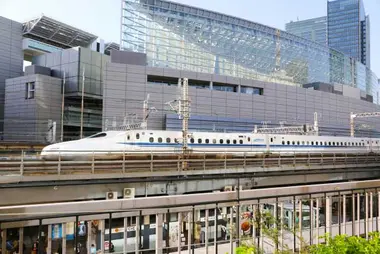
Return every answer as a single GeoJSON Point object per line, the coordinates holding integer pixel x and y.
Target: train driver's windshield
{"type": "Point", "coordinates": [98, 135]}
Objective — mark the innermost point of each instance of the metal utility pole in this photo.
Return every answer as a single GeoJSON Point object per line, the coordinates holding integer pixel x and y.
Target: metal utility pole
{"type": "Point", "coordinates": [360, 115]}
{"type": "Point", "coordinates": [316, 128]}
{"type": "Point", "coordinates": [63, 103]}
{"type": "Point", "coordinates": [183, 110]}
{"type": "Point", "coordinates": [146, 112]}
{"type": "Point", "coordinates": [185, 113]}
{"type": "Point", "coordinates": [82, 106]}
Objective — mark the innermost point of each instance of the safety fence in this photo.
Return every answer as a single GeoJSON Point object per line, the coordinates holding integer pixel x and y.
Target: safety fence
{"type": "Point", "coordinates": [90, 163]}
{"type": "Point", "coordinates": [198, 223]}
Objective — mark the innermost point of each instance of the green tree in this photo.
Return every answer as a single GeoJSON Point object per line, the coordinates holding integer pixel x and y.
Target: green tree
{"type": "Point", "coordinates": [340, 244]}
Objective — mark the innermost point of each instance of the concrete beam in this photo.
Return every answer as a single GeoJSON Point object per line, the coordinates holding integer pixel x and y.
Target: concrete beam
{"type": "Point", "coordinates": [123, 205]}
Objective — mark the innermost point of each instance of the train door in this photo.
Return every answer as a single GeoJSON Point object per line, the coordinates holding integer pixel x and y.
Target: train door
{"type": "Point", "coordinates": [369, 145]}
{"type": "Point", "coordinates": [136, 140]}
{"type": "Point", "coordinates": [267, 139]}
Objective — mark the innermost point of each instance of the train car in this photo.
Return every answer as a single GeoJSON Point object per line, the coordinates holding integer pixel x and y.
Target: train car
{"type": "Point", "coordinates": [112, 144]}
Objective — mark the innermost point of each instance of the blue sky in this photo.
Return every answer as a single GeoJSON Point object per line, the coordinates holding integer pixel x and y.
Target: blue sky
{"type": "Point", "coordinates": [102, 17]}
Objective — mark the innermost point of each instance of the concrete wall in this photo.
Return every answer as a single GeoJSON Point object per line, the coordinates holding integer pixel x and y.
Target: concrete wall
{"type": "Point", "coordinates": [125, 88]}
{"type": "Point", "coordinates": [27, 119]}
{"type": "Point", "coordinates": [11, 56]}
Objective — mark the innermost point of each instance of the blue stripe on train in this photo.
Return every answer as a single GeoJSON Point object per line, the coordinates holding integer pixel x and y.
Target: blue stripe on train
{"type": "Point", "coordinates": [148, 144]}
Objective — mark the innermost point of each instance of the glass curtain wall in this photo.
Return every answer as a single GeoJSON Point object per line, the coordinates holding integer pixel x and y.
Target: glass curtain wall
{"type": "Point", "coordinates": [187, 38]}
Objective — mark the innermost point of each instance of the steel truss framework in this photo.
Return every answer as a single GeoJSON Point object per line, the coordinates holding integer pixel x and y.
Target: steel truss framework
{"type": "Point", "coordinates": [53, 31]}
{"type": "Point", "coordinates": [187, 38]}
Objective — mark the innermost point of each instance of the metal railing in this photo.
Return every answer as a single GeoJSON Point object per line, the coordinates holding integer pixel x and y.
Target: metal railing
{"type": "Point", "coordinates": [350, 208]}
{"type": "Point", "coordinates": [135, 162]}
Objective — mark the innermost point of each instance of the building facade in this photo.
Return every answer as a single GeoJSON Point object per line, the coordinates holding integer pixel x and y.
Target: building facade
{"type": "Point", "coordinates": [11, 57]}
{"type": "Point", "coordinates": [70, 65]}
{"type": "Point", "coordinates": [312, 29]}
{"type": "Point", "coordinates": [32, 105]}
{"type": "Point", "coordinates": [349, 29]}
{"type": "Point", "coordinates": [230, 104]}
{"type": "Point", "coordinates": [187, 38]}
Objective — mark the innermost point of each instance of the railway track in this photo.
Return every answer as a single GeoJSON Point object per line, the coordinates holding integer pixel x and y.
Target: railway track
{"type": "Point", "coordinates": [131, 163]}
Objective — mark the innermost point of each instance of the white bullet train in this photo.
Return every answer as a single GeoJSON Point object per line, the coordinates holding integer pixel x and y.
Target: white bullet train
{"type": "Point", "coordinates": [109, 144]}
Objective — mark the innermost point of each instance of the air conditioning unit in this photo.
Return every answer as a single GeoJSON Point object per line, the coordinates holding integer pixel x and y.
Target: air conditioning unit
{"type": "Point", "coordinates": [228, 188]}
{"type": "Point", "coordinates": [111, 195]}
{"type": "Point", "coordinates": [129, 192]}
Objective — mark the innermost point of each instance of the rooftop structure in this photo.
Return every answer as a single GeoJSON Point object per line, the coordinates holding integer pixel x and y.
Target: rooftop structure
{"type": "Point", "coordinates": [111, 46]}
{"type": "Point", "coordinates": [51, 31]}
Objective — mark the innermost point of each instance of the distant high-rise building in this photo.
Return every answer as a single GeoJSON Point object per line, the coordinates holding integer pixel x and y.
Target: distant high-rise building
{"type": "Point", "coordinates": [312, 29]}
{"type": "Point", "coordinates": [348, 29]}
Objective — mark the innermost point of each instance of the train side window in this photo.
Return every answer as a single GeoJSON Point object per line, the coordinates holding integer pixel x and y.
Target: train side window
{"type": "Point", "coordinates": [283, 142]}
{"type": "Point", "coordinates": [271, 140]}
{"type": "Point", "coordinates": [128, 137]}
{"type": "Point", "coordinates": [312, 143]}
{"type": "Point", "coordinates": [234, 141]}
{"type": "Point", "coordinates": [249, 139]}
{"type": "Point", "coordinates": [367, 142]}
{"type": "Point", "coordinates": [176, 140]}
{"type": "Point", "coordinates": [333, 143]}
{"type": "Point", "coordinates": [298, 143]}
{"type": "Point", "coordinates": [345, 143]}
{"type": "Point", "coordinates": [159, 140]}
{"type": "Point", "coordinates": [214, 141]}
{"type": "Point", "coordinates": [341, 143]}
{"type": "Point", "coordinates": [151, 139]}
{"type": "Point", "coordinates": [288, 142]}
{"type": "Point", "coordinates": [307, 142]}
{"type": "Point", "coordinates": [316, 143]}
{"type": "Point", "coordinates": [199, 141]}
{"type": "Point", "coordinates": [329, 143]}
{"type": "Point", "coordinates": [293, 143]}
{"type": "Point", "coordinates": [303, 142]}
{"type": "Point", "coordinates": [221, 141]}
{"type": "Point", "coordinates": [207, 141]}
{"type": "Point", "coordinates": [241, 141]}
{"type": "Point", "coordinates": [228, 141]}
{"type": "Point", "coordinates": [168, 140]}
{"type": "Point", "coordinates": [137, 135]}
{"type": "Point", "coordinates": [192, 140]}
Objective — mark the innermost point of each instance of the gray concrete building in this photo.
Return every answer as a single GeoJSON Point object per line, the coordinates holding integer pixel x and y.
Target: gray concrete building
{"type": "Point", "coordinates": [32, 103]}
{"type": "Point", "coordinates": [69, 65]}
{"type": "Point", "coordinates": [229, 103]}
{"type": "Point", "coordinates": [11, 56]}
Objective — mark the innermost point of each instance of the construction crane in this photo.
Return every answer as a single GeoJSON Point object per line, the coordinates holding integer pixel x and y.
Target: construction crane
{"type": "Point", "coordinates": [360, 115]}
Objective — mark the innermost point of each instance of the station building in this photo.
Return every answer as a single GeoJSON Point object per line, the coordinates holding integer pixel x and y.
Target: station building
{"type": "Point", "coordinates": [240, 73]}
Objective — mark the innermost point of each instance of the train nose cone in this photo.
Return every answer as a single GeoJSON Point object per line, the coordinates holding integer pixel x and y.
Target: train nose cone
{"type": "Point", "coordinates": [50, 151]}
